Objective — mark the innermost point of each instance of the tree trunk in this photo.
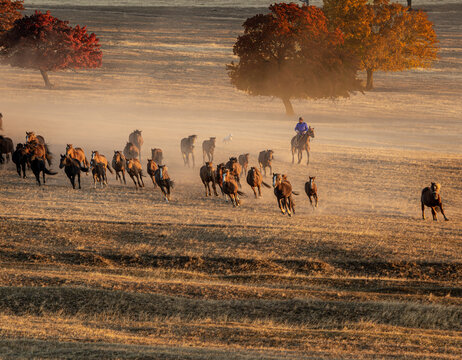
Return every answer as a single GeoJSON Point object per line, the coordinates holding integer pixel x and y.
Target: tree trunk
{"type": "Point", "coordinates": [288, 105]}
{"type": "Point", "coordinates": [409, 4]}
{"type": "Point", "coordinates": [370, 79]}
{"type": "Point", "coordinates": [45, 78]}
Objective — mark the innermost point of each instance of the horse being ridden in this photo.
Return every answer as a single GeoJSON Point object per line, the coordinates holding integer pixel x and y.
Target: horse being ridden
{"type": "Point", "coordinates": [302, 144]}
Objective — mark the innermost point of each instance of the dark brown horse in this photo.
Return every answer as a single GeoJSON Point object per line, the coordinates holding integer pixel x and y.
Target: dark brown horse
{"type": "Point", "coordinates": [163, 181]}
{"type": "Point", "coordinates": [72, 168]}
{"type": "Point", "coordinates": [230, 187]}
{"type": "Point", "coordinates": [244, 162]}
{"type": "Point", "coordinates": [303, 144]}
{"type": "Point", "coordinates": [38, 166]}
{"type": "Point", "coordinates": [131, 151]}
{"type": "Point", "coordinates": [151, 169]}
{"type": "Point", "coordinates": [312, 191]}
{"type": "Point", "coordinates": [219, 176]}
{"type": "Point", "coordinates": [135, 171]}
{"type": "Point", "coordinates": [6, 147]}
{"type": "Point", "coordinates": [157, 155]}
{"type": "Point", "coordinates": [1, 121]}
{"type": "Point", "coordinates": [208, 175]}
{"type": "Point", "coordinates": [98, 171]}
{"type": "Point", "coordinates": [255, 180]}
{"type": "Point", "coordinates": [264, 160]}
{"type": "Point", "coordinates": [34, 150]}
{"type": "Point", "coordinates": [235, 168]}
{"type": "Point", "coordinates": [283, 192]}
{"type": "Point", "coordinates": [136, 139]}
{"type": "Point", "coordinates": [208, 148]}
{"type": "Point", "coordinates": [20, 159]}
{"type": "Point", "coordinates": [187, 148]}
{"type": "Point", "coordinates": [119, 165]}
{"type": "Point", "coordinates": [431, 197]}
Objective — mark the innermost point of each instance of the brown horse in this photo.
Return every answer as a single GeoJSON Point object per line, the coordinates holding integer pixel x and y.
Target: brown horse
{"type": "Point", "coordinates": [219, 176]}
{"type": "Point", "coordinates": [302, 144]}
{"type": "Point", "coordinates": [6, 147]}
{"type": "Point", "coordinates": [208, 148]}
{"type": "Point", "coordinates": [136, 139]}
{"type": "Point", "coordinates": [207, 174]}
{"type": "Point", "coordinates": [230, 187]}
{"type": "Point", "coordinates": [151, 169]}
{"type": "Point", "coordinates": [72, 168]}
{"type": "Point", "coordinates": [34, 150]}
{"type": "Point", "coordinates": [157, 155]}
{"type": "Point", "coordinates": [163, 181]}
{"type": "Point", "coordinates": [283, 192]}
{"type": "Point", "coordinates": [77, 154]}
{"type": "Point", "coordinates": [187, 148]}
{"type": "Point", "coordinates": [312, 191]}
{"type": "Point", "coordinates": [31, 137]}
{"type": "Point", "coordinates": [264, 160]}
{"type": "Point", "coordinates": [235, 168]}
{"type": "Point", "coordinates": [98, 171]}
{"type": "Point", "coordinates": [244, 162]}
{"type": "Point", "coordinates": [1, 121]}
{"type": "Point", "coordinates": [119, 164]}
{"type": "Point", "coordinates": [131, 151]}
{"type": "Point", "coordinates": [135, 171]}
{"type": "Point", "coordinates": [431, 197]}
{"type": "Point", "coordinates": [255, 180]}
{"type": "Point", "coordinates": [101, 159]}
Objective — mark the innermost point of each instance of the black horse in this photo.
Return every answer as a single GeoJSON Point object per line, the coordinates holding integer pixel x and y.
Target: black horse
{"type": "Point", "coordinates": [38, 166]}
{"type": "Point", "coordinates": [72, 168]}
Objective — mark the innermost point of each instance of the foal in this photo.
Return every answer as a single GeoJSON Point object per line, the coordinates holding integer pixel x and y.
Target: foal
{"type": "Point", "coordinates": [431, 197]}
{"type": "Point", "coordinates": [312, 191]}
{"type": "Point", "coordinates": [255, 180]}
{"type": "Point", "coordinates": [207, 173]}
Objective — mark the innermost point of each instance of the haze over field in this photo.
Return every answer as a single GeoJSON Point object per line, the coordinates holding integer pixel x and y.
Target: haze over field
{"type": "Point", "coordinates": [118, 273]}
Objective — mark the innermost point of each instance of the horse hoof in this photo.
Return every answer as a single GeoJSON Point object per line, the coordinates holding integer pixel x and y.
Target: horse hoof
{"type": "Point", "coordinates": [446, 219]}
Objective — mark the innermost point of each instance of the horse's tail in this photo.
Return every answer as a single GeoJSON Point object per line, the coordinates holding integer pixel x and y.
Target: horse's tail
{"type": "Point", "coordinates": [84, 169]}
{"type": "Point", "coordinates": [48, 154]}
{"type": "Point", "coordinates": [295, 193]}
{"type": "Point", "coordinates": [171, 183]}
{"type": "Point", "coordinates": [109, 168]}
{"type": "Point", "coordinates": [48, 172]}
{"type": "Point", "coordinates": [266, 185]}
{"type": "Point", "coordinates": [241, 193]}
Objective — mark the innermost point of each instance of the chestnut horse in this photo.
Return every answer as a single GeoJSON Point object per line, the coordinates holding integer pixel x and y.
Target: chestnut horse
{"type": "Point", "coordinates": [207, 174]}
{"type": "Point", "coordinates": [157, 155]}
{"type": "Point", "coordinates": [264, 160]}
{"type": "Point", "coordinates": [77, 154]}
{"type": "Point", "coordinates": [135, 171]}
{"type": "Point", "coordinates": [163, 181]}
{"type": "Point", "coordinates": [101, 159]}
{"type": "Point", "coordinates": [244, 162]}
{"type": "Point", "coordinates": [431, 197]}
{"type": "Point", "coordinates": [131, 151]}
{"type": "Point", "coordinates": [230, 187]}
{"type": "Point", "coordinates": [312, 191]}
{"type": "Point", "coordinates": [283, 192]}
{"type": "Point", "coordinates": [235, 169]}
{"type": "Point", "coordinates": [119, 164]}
{"type": "Point", "coordinates": [151, 169]}
{"type": "Point", "coordinates": [255, 180]}
{"type": "Point", "coordinates": [136, 139]}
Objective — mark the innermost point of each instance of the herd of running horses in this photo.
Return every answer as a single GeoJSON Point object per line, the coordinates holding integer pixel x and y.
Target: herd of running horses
{"type": "Point", "coordinates": [34, 154]}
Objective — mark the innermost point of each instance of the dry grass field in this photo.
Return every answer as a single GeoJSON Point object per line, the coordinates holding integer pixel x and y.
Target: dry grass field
{"type": "Point", "coordinates": [118, 273]}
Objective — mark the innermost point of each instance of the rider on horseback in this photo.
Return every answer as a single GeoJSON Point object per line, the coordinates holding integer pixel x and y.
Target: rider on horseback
{"type": "Point", "coordinates": [301, 129]}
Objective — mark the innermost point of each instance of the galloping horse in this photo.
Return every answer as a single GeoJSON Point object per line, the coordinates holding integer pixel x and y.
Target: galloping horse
{"type": "Point", "coordinates": [119, 165]}
{"type": "Point", "coordinates": [303, 144]}
{"type": "Point", "coordinates": [33, 139]}
{"type": "Point", "coordinates": [208, 148]}
{"type": "Point", "coordinates": [136, 139]}
{"type": "Point", "coordinates": [77, 154]}
{"type": "Point", "coordinates": [187, 147]}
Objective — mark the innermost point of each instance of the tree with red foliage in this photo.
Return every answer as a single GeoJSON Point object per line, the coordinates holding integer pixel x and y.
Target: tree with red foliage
{"type": "Point", "coordinates": [289, 53]}
{"type": "Point", "coordinates": [45, 43]}
{"type": "Point", "coordinates": [9, 13]}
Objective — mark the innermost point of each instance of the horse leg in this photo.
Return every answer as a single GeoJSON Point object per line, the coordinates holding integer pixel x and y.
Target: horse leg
{"type": "Point", "coordinates": [255, 193]}
{"type": "Point", "coordinates": [206, 184]}
{"type": "Point", "coordinates": [259, 190]}
{"type": "Point", "coordinates": [78, 176]}
{"type": "Point", "coordinates": [236, 198]}
{"type": "Point", "coordinates": [307, 157]}
{"type": "Point", "coordinates": [311, 201]}
{"type": "Point", "coordinates": [293, 153]}
{"type": "Point", "coordinates": [184, 158]}
{"type": "Point", "coordinates": [43, 175]}
{"type": "Point", "coordinates": [123, 174]}
{"type": "Point", "coordinates": [300, 155]}
{"type": "Point", "coordinates": [442, 212]}
{"type": "Point", "coordinates": [316, 199]}
{"type": "Point", "coordinates": [194, 161]}
{"type": "Point", "coordinates": [281, 206]}
{"type": "Point", "coordinates": [72, 179]}
{"type": "Point", "coordinates": [423, 209]}
{"type": "Point", "coordinates": [134, 182]}
{"type": "Point", "coordinates": [434, 214]}
{"type": "Point", "coordinates": [142, 181]}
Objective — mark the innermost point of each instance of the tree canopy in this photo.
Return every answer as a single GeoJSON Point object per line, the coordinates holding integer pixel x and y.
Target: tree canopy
{"type": "Point", "coordinates": [385, 36]}
{"type": "Point", "coordinates": [45, 43]}
{"type": "Point", "coordinates": [9, 13]}
{"type": "Point", "coordinates": [290, 53]}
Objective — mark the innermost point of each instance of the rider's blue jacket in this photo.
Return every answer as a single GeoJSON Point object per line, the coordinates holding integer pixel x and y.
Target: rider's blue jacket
{"type": "Point", "coordinates": [301, 127]}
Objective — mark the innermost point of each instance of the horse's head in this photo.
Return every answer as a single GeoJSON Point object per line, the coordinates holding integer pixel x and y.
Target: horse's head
{"type": "Point", "coordinates": [29, 135]}
{"type": "Point", "coordinates": [269, 154]}
{"type": "Point", "coordinates": [192, 138]}
{"type": "Point", "coordinates": [68, 147]}
{"type": "Point", "coordinates": [162, 171]}
{"type": "Point", "coordinates": [311, 132]}
{"type": "Point", "coordinates": [435, 189]}
{"type": "Point", "coordinates": [93, 154]}
{"type": "Point", "coordinates": [233, 159]}
{"type": "Point", "coordinates": [277, 179]}
{"type": "Point", "coordinates": [63, 161]}
{"type": "Point", "coordinates": [209, 164]}
{"type": "Point", "coordinates": [312, 179]}
{"type": "Point", "coordinates": [137, 132]}
{"type": "Point", "coordinates": [19, 146]}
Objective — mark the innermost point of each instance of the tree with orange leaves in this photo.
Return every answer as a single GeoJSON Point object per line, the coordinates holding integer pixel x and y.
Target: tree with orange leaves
{"type": "Point", "coordinates": [9, 13]}
{"type": "Point", "coordinates": [290, 53]}
{"type": "Point", "coordinates": [45, 43]}
{"type": "Point", "coordinates": [385, 36]}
